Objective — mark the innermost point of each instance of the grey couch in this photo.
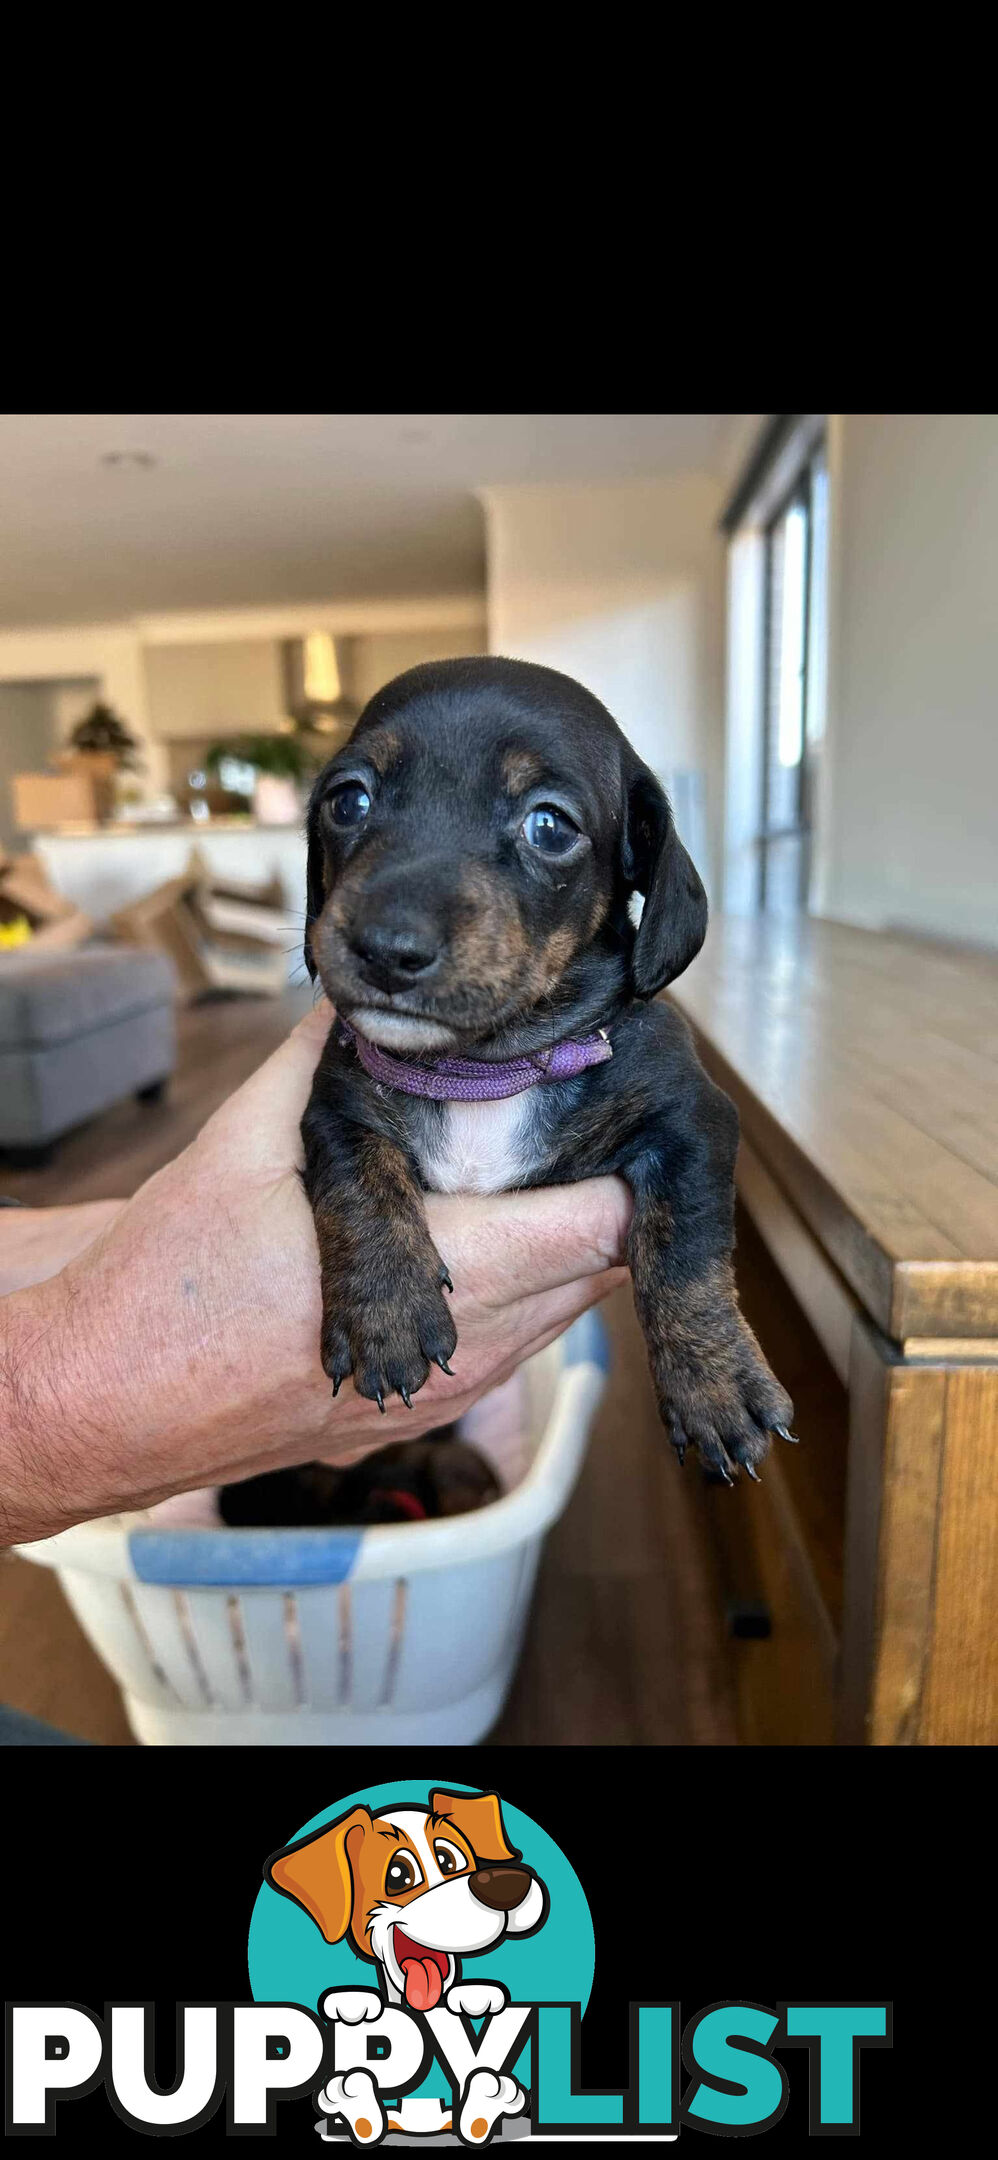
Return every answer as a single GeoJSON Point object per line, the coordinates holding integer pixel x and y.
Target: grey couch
{"type": "Point", "coordinates": [79, 1030]}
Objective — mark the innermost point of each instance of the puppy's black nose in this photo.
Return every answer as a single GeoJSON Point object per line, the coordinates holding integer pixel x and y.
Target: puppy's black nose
{"type": "Point", "coordinates": [499, 1887]}
{"type": "Point", "coordinates": [395, 948]}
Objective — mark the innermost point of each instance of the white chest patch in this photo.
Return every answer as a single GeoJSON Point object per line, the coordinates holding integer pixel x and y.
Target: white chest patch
{"type": "Point", "coordinates": [481, 1147]}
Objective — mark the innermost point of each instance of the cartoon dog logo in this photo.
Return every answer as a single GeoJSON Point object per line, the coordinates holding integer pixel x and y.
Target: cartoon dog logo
{"type": "Point", "coordinates": [416, 1889]}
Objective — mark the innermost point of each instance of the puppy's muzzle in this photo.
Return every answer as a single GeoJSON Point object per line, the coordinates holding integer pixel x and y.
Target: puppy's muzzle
{"type": "Point", "coordinates": [396, 946]}
{"type": "Point", "coordinates": [500, 1888]}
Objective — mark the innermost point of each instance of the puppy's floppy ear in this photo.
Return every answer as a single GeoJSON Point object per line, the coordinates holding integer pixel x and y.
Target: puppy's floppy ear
{"type": "Point", "coordinates": [317, 1872]}
{"type": "Point", "coordinates": [674, 922]}
{"type": "Point", "coordinates": [478, 1816]}
{"type": "Point", "coordinates": [315, 874]}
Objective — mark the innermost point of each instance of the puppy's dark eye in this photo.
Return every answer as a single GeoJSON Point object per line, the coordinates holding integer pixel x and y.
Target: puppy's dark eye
{"type": "Point", "coordinates": [549, 830]}
{"type": "Point", "coordinates": [350, 804]}
{"type": "Point", "coordinates": [448, 1859]}
{"type": "Point", "coordinates": [404, 1873]}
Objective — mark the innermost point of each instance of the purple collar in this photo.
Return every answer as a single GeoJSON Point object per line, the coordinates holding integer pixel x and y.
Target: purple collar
{"type": "Point", "coordinates": [472, 1079]}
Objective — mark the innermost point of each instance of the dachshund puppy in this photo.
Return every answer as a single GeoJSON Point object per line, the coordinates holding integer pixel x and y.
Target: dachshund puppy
{"type": "Point", "coordinates": [472, 854]}
{"type": "Point", "coordinates": [412, 1481]}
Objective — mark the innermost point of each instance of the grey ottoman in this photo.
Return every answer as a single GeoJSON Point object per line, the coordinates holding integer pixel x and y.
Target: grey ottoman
{"type": "Point", "coordinates": [78, 1031]}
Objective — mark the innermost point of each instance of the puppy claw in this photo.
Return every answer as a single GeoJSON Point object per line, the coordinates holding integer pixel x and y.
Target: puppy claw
{"type": "Point", "coordinates": [445, 1281]}
{"type": "Point", "coordinates": [753, 1474]}
{"type": "Point", "coordinates": [388, 1345]}
{"type": "Point", "coordinates": [444, 1367]}
{"type": "Point", "coordinates": [793, 1437]}
{"type": "Point", "coordinates": [337, 1384]}
{"type": "Point", "coordinates": [678, 1439]}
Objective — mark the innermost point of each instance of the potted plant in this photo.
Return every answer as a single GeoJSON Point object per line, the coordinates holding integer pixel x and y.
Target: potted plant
{"type": "Point", "coordinates": [101, 733]}
{"type": "Point", "coordinates": [281, 763]}
{"type": "Point", "coordinates": [101, 748]}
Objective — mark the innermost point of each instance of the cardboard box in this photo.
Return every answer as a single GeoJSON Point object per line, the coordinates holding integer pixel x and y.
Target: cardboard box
{"type": "Point", "coordinates": [25, 889]}
{"type": "Point", "coordinates": [161, 923]}
{"type": "Point", "coordinates": [42, 800]}
{"type": "Point", "coordinates": [100, 764]}
{"type": "Point", "coordinates": [259, 915]}
{"type": "Point", "coordinates": [80, 792]}
{"type": "Point", "coordinates": [172, 919]}
{"type": "Point", "coordinates": [98, 768]}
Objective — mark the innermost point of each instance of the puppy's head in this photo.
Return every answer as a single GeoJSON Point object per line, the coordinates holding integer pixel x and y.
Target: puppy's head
{"type": "Point", "coordinates": [414, 1888]}
{"type": "Point", "coordinates": [473, 849]}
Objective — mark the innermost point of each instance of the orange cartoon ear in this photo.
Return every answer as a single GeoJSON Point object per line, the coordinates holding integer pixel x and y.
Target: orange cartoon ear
{"type": "Point", "coordinates": [479, 1817]}
{"type": "Point", "coordinates": [317, 1872]}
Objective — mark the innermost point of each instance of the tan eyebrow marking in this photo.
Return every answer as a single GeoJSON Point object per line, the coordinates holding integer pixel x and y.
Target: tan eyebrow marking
{"type": "Point", "coordinates": [520, 767]}
{"type": "Point", "coordinates": [383, 749]}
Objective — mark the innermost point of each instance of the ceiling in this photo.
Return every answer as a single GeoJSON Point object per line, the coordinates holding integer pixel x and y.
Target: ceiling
{"type": "Point", "coordinates": [251, 509]}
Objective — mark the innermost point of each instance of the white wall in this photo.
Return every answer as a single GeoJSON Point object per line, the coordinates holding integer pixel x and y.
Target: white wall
{"type": "Point", "coordinates": [35, 717]}
{"type": "Point", "coordinates": [108, 654]}
{"type": "Point", "coordinates": [26, 738]}
{"type": "Point", "coordinates": [122, 660]}
{"type": "Point", "coordinates": [378, 656]}
{"type": "Point", "coordinates": [623, 588]}
{"type": "Point", "coordinates": [910, 781]}
{"type": "Point", "coordinates": [236, 687]}
{"type": "Point", "coordinates": [233, 688]}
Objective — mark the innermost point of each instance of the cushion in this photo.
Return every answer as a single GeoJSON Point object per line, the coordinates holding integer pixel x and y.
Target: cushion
{"type": "Point", "coordinates": [52, 997]}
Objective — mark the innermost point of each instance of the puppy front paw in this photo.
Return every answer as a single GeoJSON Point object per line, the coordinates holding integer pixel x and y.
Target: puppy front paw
{"type": "Point", "coordinates": [352, 2005]}
{"type": "Point", "coordinates": [476, 1998]}
{"type": "Point", "coordinates": [388, 1332]}
{"type": "Point", "coordinates": [725, 1402]}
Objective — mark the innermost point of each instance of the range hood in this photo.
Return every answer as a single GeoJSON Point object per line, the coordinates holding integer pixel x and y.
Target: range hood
{"type": "Point", "coordinates": [318, 676]}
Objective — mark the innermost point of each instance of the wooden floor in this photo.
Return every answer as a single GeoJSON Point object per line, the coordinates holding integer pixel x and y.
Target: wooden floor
{"type": "Point", "coordinates": [628, 1640]}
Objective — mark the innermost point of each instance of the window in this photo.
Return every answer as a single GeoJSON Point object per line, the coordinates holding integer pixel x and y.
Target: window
{"type": "Point", "coordinates": [793, 694]}
{"type": "Point", "coordinates": [777, 529]}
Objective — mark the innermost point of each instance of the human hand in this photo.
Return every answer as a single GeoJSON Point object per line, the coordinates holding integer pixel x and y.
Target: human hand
{"type": "Point", "coordinates": [36, 1242]}
{"type": "Point", "coordinates": [181, 1348]}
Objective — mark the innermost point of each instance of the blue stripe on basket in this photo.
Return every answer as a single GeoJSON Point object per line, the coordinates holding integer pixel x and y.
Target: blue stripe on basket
{"type": "Point", "coordinates": [265, 1558]}
{"type": "Point", "coordinates": [586, 1342]}
{"type": "Point", "coordinates": [281, 1558]}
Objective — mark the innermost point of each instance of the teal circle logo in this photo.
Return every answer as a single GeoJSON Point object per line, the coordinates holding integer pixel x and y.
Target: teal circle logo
{"type": "Point", "coordinates": [289, 1961]}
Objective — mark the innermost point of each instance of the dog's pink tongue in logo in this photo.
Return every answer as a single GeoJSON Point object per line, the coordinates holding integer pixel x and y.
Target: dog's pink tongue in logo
{"type": "Point", "coordinates": [424, 1971]}
{"type": "Point", "coordinates": [423, 1982]}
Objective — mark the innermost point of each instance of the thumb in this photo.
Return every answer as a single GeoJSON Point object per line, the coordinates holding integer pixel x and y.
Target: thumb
{"type": "Point", "coordinates": [263, 1116]}
{"type": "Point", "coordinates": [511, 1245]}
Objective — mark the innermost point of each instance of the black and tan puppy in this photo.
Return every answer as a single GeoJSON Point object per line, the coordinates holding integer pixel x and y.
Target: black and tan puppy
{"type": "Point", "coordinates": [413, 1481]}
{"type": "Point", "coordinates": [472, 854]}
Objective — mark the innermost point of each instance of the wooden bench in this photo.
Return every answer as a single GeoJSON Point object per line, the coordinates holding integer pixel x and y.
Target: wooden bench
{"type": "Point", "coordinates": [865, 1070]}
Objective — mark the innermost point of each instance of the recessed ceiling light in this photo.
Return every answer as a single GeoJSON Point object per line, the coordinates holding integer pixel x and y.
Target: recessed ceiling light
{"type": "Point", "coordinates": [142, 458]}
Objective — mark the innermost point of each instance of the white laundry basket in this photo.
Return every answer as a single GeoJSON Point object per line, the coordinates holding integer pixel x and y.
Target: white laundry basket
{"type": "Point", "coordinates": [405, 1632]}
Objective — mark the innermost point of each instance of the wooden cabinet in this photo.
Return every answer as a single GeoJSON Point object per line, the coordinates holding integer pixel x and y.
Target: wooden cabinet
{"type": "Point", "coordinates": [865, 1069]}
